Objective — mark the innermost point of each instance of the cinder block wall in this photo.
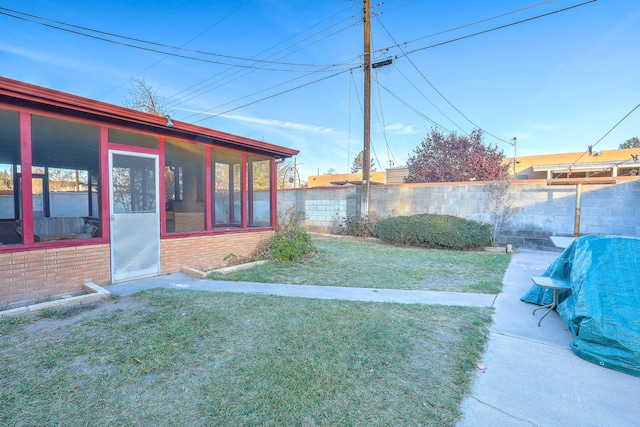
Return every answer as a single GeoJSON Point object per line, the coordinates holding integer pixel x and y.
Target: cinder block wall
{"type": "Point", "coordinates": [544, 210]}
{"type": "Point", "coordinates": [31, 275]}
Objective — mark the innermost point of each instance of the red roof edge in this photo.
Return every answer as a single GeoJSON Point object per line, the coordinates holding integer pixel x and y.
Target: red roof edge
{"type": "Point", "coordinates": [50, 97]}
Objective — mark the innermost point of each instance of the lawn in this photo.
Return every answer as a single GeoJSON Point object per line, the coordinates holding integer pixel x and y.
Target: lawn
{"type": "Point", "coordinates": [189, 358]}
{"type": "Point", "coordinates": [359, 263]}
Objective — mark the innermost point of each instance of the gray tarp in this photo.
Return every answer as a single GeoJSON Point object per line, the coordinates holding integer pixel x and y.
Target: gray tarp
{"type": "Point", "coordinates": [603, 309]}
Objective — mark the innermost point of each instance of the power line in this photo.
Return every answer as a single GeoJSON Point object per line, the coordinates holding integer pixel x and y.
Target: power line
{"type": "Point", "coordinates": [467, 25]}
{"type": "Point", "coordinates": [256, 93]}
{"type": "Point", "coordinates": [603, 137]}
{"type": "Point", "coordinates": [497, 28]}
{"type": "Point", "coordinates": [176, 48]}
{"type": "Point", "coordinates": [270, 96]}
{"type": "Point", "coordinates": [437, 91]}
{"type": "Point", "coordinates": [410, 107]}
{"type": "Point", "coordinates": [383, 126]}
{"type": "Point", "coordinates": [186, 43]}
{"type": "Point", "coordinates": [220, 82]}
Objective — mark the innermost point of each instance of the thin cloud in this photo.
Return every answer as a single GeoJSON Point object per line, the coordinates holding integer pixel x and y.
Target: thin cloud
{"type": "Point", "coordinates": [546, 128]}
{"type": "Point", "coordinates": [279, 123]}
{"type": "Point", "coordinates": [33, 55]}
{"type": "Point", "coordinates": [402, 129]}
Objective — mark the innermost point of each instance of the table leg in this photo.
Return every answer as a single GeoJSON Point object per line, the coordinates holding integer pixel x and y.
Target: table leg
{"type": "Point", "coordinates": [551, 306]}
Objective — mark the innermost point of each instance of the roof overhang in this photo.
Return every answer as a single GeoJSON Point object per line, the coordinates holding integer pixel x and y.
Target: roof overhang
{"type": "Point", "coordinates": [26, 95]}
{"type": "Point", "coordinates": [584, 167]}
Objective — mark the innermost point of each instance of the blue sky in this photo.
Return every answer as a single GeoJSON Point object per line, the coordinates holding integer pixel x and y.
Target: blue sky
{"type": "Point", "coordinates": [558, 83]}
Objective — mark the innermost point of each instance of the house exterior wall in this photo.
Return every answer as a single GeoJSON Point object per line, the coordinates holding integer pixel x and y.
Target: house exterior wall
{"type": "Point", "coordinates": [27, 276]}
{"type": "Point", "coordinates": [47, 135]}
{"type": "Point", "coordinates": [211, 250]}
{"type": "Point", "coordinates": [31, 275]}
{"type": "Point", "coordinates": [544, 210]}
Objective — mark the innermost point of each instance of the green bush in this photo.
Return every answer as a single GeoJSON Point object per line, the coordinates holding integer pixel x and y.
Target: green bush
{"type": "Point", "coordinates": [358, 226]}
{"type": "Point", "coordinates": [290, 242]}
{"type": "Point", "coordinates": [291, 246]}
{"type": "Point", "coordinates": [429, 230]}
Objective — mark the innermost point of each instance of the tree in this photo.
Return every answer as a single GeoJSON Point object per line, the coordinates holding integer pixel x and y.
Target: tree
{"type": "Point", "coordinates": [501, 207]}
{"type": "Point", "coordinates": [455, 158]}
{"type": "Point", "coordinates": [630, 143]}
{"type": "Point", "coordinates": [143, 97]}
{"type": "Point", "coordinates": [331, 171]}
{"type": "Point", "coordinates": [358, 162]}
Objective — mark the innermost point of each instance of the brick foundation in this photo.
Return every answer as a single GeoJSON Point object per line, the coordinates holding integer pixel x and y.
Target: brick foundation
{"type": "Point", "coordinates": [30, 275]}
{"type": "Point", "coordinates": [206, 252]}
{"type": "Point", "coordinates": [27, 276]}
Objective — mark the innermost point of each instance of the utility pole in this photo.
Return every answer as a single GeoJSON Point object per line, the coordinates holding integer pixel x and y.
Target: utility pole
{"type": "Point", "coordinates": [366, 153]}
{"type": "Point", "coordinates": [515, 156]}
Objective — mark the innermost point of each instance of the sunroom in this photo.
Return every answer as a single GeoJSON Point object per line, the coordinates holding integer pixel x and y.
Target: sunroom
{"type": "Point", "coordinates": [95, 192]}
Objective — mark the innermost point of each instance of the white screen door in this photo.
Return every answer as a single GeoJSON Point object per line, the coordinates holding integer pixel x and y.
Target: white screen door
{"type": "Point", "coordinates": [135, 218]}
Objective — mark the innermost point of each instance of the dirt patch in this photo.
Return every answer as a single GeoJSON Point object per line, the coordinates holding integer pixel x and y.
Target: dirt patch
{"type": "Point", "coordinates": [51, 325]}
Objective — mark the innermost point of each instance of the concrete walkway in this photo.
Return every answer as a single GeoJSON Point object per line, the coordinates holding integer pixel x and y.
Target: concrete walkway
{"type": "Point", "coordinates": [183, 281]}
{"type": "Point", "coordinates": [531, 377]}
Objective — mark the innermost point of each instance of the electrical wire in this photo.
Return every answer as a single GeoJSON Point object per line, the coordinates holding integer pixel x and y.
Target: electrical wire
{"type": "Point", "coordinates": [415, 110]}
{"type": "Point", "coordinates": [429, 100]}
{"type": "Point", "coordinates": [496, 28]}
{"type": "Point", "coordinates": [183, 45]}
{"type": "Point", "coordinates": [437, 91]}
{"type": "Point", "coordinates": [228, 79]}
{"type": "Point", "coordinates": [383, 126]}
{"type": "Point", "coordinates": [270, 96]}
{"type": "Point", "coordinates": [154, 50]}
{"type": "Point", "coordinates": [257, 93]}
{"type": "Point", "coordinates": [371, 145]}
{"type": "Point", "coordinates": [600, 140]}
{"type": "Point", "coordinates": [468, 25]}
{"type": "Point", "coordinates": [349, 125]}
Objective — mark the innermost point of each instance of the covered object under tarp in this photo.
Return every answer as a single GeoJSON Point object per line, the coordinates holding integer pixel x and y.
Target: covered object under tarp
{"type": "Point", "coordinates": [603, 308]}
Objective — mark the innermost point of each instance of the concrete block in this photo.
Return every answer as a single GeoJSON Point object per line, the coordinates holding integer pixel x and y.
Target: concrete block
{"type": "Point", "coordinates": [14, 312]}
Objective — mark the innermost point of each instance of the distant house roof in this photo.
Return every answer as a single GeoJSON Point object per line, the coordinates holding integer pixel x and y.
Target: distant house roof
{"type": "Point", "coordinates": [38, 98]}
{"type": "Point", "coordinates": [354, 182]}
{"type": "Point", "coordinates": [586, 166]}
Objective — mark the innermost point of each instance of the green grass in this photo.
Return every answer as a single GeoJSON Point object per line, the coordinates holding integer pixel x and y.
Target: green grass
{"type": "Point", "coordinates": [358, 263]}
{"type": "Point", "coordinates": [192, 358]}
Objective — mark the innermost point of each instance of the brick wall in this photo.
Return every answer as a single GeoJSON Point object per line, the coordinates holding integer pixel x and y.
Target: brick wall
{"type": "Point", "coordinates": [206, 252]}
{"type": "Point", "coordinates": [27, 276]}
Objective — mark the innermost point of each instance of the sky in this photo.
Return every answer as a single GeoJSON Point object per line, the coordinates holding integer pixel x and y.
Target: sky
{"type": "Point", "coordinates": [290, 72]}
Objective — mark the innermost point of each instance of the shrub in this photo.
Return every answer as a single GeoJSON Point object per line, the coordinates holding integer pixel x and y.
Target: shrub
{"type": "Point", "coordinates": [358, 226]}
{"type": "Point", "coordinates": [290, 242]}
{"type": "Point", "coordinates": [441, 231]}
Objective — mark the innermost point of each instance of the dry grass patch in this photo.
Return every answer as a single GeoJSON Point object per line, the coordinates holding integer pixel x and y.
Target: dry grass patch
{"type": "Point", "coordinates": [360, 263]}
{"type": "Point", "coordinates": [191, 358]}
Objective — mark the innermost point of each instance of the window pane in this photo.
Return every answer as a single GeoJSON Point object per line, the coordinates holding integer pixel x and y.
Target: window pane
{"type": "Point", "coordinates": [9, 168]}
{"type": "Point", "coordinates": [130, 138]}
{"type": "Point", "coordinates": [134, 184]}
{"type": "Point", "coordinates": [64, 187]}
{"type": "Point", "coordinates": [184, 186]}
{"type": "Point", "coordinates": [226, 188]}
{"type": "Point", "coordinates": [259, 191]}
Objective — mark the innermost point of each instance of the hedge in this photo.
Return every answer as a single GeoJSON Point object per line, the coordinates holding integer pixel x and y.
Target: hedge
{"type": "Point", "coordinates": [430, 230]}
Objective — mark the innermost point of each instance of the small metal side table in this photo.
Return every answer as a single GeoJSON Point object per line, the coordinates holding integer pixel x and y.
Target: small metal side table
{"type": "Point", "coordinates": [556, 285]}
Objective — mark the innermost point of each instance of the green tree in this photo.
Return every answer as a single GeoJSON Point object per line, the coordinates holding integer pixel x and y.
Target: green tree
{"type": "Point", "coordinates": [630, 143]}
{"type": "Point", "coordinates": [358, 162]}
{"type": "Point", "coordinates": [455, 158]}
